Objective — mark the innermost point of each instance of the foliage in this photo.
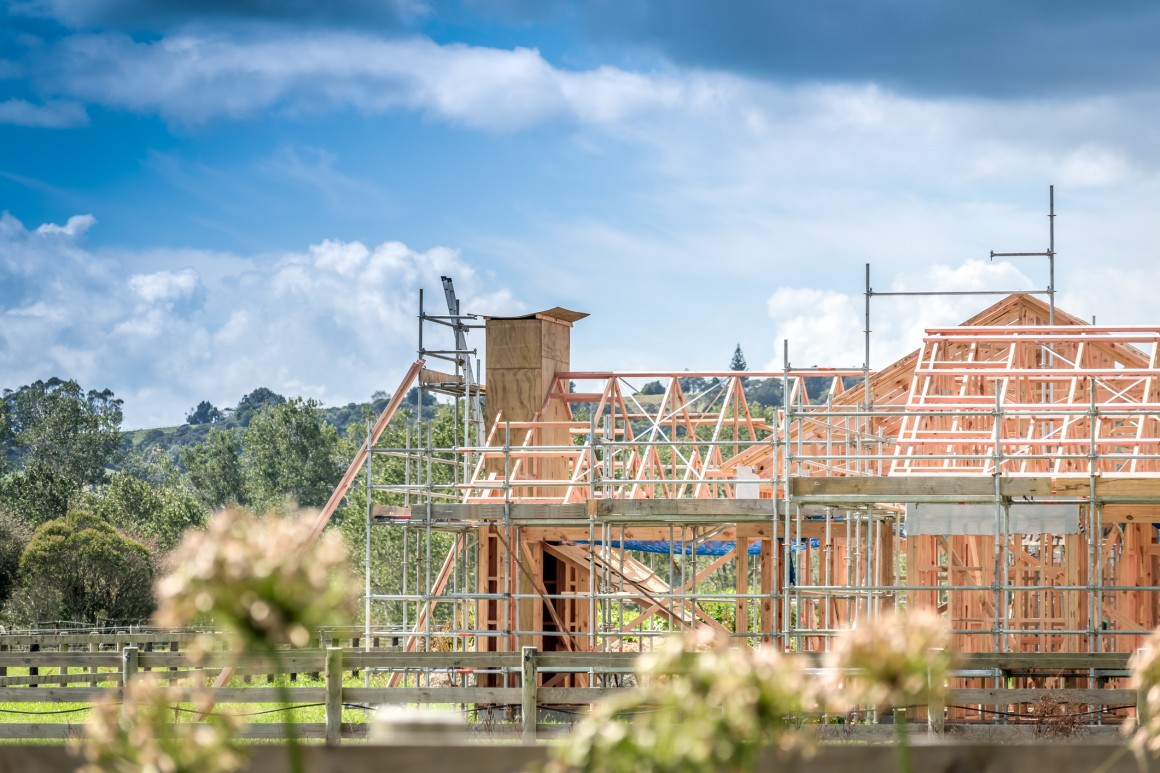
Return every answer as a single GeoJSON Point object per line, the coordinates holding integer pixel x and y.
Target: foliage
{"type": "Point", "coordinates": [652, 388]}
{"type": "Point", "coordinates": [99, 573]}
{"type": "Point", "coordinates": [204, 413]}
{"type": "Point", "coordinates": [36, 494]}
{"type": "Point", "coordinates": [256, 579]}
{"type": "Point", "coordinates": [288, 451]}
{"type": "Point", "coordinates": [254, 402]}
{"type": "Point", "coordinates": [737, 362]}
{"type": "Point", "coordinates": [764, 391]}
{"type": "Point", "coordinates": [215, 470]}
{"type": "Point", "coordinates": [702, 705]}
{"type": "Point", "coordinates": [73, 432]}
{"type": "Point", "coordinates": [141, 735]}
{"type": "Point", "coordinates": [6, 436]}
{"type": "Point", "coordinates": [150, 499]}
{"type": "Point", "coordinates": [14, 537]}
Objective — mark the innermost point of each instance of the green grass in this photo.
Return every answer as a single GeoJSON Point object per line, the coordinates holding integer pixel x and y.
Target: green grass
{"type": "Point", "coordinates": [75, 714]}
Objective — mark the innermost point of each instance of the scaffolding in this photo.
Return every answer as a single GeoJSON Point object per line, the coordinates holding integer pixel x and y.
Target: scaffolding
{"type": "Point", "coordinates": [1004, 474]}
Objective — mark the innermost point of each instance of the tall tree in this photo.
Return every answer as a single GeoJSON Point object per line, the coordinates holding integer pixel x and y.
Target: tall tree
{"type": "Point", "coordinates": [75, 433]}
{"type": "Point", "coordinates": [6, 437]}
{"type": "Point", "coordinates": [288, 451]}
{"type": "Point", "coordinates": [205, 413]}
{"type": "Point", "coordinates": [255, 401]}
{"type": "Point", "coordinates": [215, 470]}
{"type": "Point", "coordinates": [738, 361]}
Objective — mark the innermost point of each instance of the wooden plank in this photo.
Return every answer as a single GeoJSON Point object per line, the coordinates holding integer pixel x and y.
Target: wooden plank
{"type": "Point", "coordinates": [1007, 696]}
{"type": "Point", "coordinates": [1022, 754]}
{"type": "Point", "coordinates": [898, 488]}
{"type": "Point", "coordinates": [1014, 661]}
{"type": "Point", "coordinates": [520, 511]}
{"type": "Point", "coordinates": [438, 660]}
{"type": "Point", "coordinates": [268, 694]}
{"type": "Point", "coordinates": [682, 508]}
{"type": "Point", "coordinates": [51, 694]}
{"type": "Point", "coordinates": [377, 695]}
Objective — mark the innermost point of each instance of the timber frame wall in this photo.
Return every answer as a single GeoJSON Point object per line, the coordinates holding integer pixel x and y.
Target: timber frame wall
{"type": "Point", "coordinates": [788, 525]}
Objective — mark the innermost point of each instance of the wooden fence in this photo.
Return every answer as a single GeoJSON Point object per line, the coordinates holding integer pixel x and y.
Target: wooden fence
{"type": "Point", "coordinates": [866, 758]}
{"type": "Point", "coordinates": [57, 671]}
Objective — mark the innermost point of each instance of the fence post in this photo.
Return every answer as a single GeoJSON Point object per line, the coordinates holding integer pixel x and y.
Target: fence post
{"type": "Point", "coordinates": [528, 695]}
{"type": "Point", "coordinates": [936, 701]}
{"type": "Point", "coordinates": [128, 672]}
{"type": "Point", "coordinates": [33, 671]}
{"type": "Point", "coordinates": [93, 647]}
{"type": "Point", "coordinates": [333, 696]}
{"type": "Point", "coordinates": [63, 670]}
{"type": "Point", "coordinates": [1142, 717]}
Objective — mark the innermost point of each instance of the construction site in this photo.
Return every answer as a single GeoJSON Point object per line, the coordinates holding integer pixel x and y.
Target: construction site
{"type": "Point", "coordinates": [1005, 473]}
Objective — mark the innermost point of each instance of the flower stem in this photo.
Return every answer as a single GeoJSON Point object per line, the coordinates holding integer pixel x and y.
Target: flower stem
{"type": "Point", "coordinates": [902, 741]}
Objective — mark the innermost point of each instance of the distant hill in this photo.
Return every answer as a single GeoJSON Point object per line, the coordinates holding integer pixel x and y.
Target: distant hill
{"type": "Point", "coordinates": [205, 417]}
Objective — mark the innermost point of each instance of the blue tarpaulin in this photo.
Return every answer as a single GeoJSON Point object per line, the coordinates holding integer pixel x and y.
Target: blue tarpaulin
{"type": "Point", "coordinates": [705, 548]}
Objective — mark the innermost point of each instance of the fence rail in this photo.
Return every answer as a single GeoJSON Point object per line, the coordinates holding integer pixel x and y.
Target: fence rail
{"type": "Point", "coordinates": [446, 678]}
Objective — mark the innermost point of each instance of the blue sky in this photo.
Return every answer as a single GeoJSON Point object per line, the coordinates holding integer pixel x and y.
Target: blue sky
{"type": "Point", "coordinates": [205, 197]}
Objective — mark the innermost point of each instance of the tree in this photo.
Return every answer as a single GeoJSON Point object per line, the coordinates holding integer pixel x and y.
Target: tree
{"type": "Point", "coordinates": [288, 451]}
{"type": "Point", "coordinates": [14, 537]}
{"type": "Point", "coordinates": [652, 388]}
{"type": "Point", "coordinates": [75, 433]}
{"type": "Point", "coordinates": [36, 494]}
{"type": "Point", "coordinates": [738, 363]}
{"type": "Point", "coordinates": [215, 470]}
{"type": "Point", "coordinates": [149, 499]}
{"type": "Point", "coordinates": [96, 572]}
{"type": "Point", "coordinates": [255, 401]}
{"type": "Point", "coordinates": [764, 391]}
{"type": "Point", "coordinates": [204, 413]}
{"type": "Point", "coordinates": [6, 436]}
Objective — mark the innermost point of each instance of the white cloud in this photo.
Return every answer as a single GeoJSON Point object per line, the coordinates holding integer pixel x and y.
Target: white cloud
{"type": "Point", "coordinates": [825, 328]}
{"type": "Point", "coordinates": [335, 321]}
{"type": "Point", "coordinates": [76, 225]}
{"type": "Point", "coordinates": [192, 78]}
{"type": "Point", "coordinates": [164, 286]}
{"type": "Point", "coordinates": [54, 114]}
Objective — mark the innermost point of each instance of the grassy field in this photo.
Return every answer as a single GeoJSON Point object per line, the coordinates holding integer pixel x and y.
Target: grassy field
{"type": "Point", "coordinates": [75, 714]}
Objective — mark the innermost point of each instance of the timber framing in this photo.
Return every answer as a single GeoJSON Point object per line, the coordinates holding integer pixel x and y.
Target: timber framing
{"type": "Point", "coordinates": [597, 510]}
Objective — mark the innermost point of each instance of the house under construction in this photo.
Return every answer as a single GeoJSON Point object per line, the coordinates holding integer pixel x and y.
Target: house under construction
{"type": "Point", "coordinates": [1005, 473]}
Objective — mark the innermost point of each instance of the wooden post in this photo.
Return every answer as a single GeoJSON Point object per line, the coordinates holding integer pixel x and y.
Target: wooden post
{"type": "Point", "coordinates": [528, 694]}
{"type": "Point", "coordinates": [33, 670]}
{"type": "Point", "coordinates": [936, 700]}
{"type": "Point", "coordinates": [63, 670]}
{"type": "Point", "coordinates": [741, 615]}
{"type": "Point", "coordinates": [129, 660]}
{"type": "Point", "coordinates": [333, 696]}
{"type": "Point", "coordinates": [93, 647]}
{"type": "Point", "coordinates": [1142, 716]}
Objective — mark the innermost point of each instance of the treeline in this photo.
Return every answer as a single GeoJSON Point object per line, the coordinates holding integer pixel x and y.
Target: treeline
{"type": "Point", "coordinates": [205, 417]}
{"type": "Point", "coordinates": [86, 517]}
